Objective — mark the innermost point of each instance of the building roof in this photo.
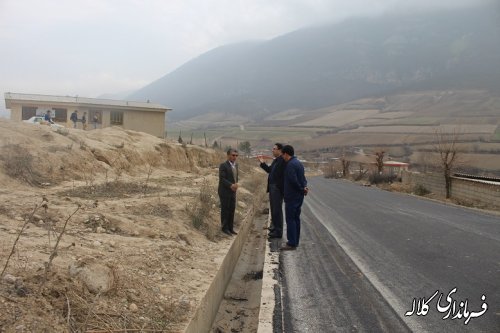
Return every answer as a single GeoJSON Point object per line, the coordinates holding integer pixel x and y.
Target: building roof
{"type": "Point", "coordinates": [480, 179]}
{"type": "Point", "coordinates": [395, 163]}
{"type": "Point", "coordinates": [82, 101]}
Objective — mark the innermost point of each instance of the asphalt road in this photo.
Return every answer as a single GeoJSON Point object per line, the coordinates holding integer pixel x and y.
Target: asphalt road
{"type": "Point", "coordinates": [366, 255]}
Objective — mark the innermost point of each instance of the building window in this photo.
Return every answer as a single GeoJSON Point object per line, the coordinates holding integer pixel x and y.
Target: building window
{"type": "Point", "coordinates": [61, 115]}
{"type": "Point", "coordinates": [28, 112]}
{"type": "Point", "coordinates": [116, 118]}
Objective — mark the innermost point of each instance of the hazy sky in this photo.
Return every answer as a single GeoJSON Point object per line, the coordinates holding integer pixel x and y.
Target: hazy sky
{"type": "Point", "coordinates": [93, 47]}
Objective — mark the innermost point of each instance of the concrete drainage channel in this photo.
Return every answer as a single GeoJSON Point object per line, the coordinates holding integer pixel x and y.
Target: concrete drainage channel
{"type": "Point", "coordinates": [233, 301]}
{"type": "Point", "coordinates": [239, 309]}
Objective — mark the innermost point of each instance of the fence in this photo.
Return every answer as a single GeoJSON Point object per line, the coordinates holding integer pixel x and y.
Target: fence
{"type": "Point", "coordinates": [478, 192]}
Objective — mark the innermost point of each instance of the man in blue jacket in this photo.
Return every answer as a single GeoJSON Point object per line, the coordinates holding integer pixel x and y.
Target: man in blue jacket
{"type": "Point", "coordinates": [295, 188]}
{"type": "Point", "coordinates": [48, 117]}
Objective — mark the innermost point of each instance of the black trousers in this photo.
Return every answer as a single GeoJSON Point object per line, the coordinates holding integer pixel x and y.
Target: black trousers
{"type": "Point", "coordinates": [227, 208]}
{"type": "Point", "coordinates": [276, 203]}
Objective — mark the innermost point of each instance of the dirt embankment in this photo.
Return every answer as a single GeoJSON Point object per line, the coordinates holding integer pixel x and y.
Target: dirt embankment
{"type": "Point", "coordinates": [107, 229]}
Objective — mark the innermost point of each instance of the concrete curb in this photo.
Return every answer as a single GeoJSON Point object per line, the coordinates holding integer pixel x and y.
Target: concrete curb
{"type": "Point", "coordinates": [207, 310]}
{"type": "Point", "coordinates": [268, 293]}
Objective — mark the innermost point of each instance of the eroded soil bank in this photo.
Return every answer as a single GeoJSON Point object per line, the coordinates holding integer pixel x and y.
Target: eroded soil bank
{"type": "Point", "coordinates": [108, 229]}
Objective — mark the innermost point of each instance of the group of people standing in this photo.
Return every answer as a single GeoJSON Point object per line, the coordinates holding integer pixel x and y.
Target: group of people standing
{"type": "Point", "coordinates": [74, 118]}
{"type": "Point", "coordinates": [286, 182]}
{"type": "Point", "coordinates": [83, 120]}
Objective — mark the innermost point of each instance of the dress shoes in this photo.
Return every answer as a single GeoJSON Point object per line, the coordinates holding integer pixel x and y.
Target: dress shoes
{"type": "Point", "coordinates": [227, 232]}
{"type": "Point", "coordinates": [288, 248]}
{"type": "Point", "coordinates": [233, 232]}
{"type": "Point", "coordinates": [273, 236]}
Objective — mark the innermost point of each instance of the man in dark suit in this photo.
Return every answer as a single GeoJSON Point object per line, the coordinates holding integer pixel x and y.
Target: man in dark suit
{"type": "Point", "coordinates": [228, 185]}
{"type": "Point", "coordinates": [275, 187]}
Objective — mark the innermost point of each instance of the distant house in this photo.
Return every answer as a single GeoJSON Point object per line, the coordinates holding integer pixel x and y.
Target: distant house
{"type": "Point", "coordinates": [391, 167]}
{"type": "Point", "coordinates": [137, 116]}
{"type": "Point", "coordinates": [396, 168]}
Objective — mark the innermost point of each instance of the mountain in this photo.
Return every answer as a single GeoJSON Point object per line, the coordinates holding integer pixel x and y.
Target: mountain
{"type": "Point", "coordinates": [321, 66]}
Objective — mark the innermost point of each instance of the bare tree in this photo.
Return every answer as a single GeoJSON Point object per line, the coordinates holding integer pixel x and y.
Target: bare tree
{"type": "Point", "coordinates": [25, 224]}
{"type": "Point", "coordinates": [446, 146]}
{"type": "Point", "coordinates": [361, 172]}
{"type": "Point", "coordinates": [329, 171]}
{"type": "Point", "coordinates": [345, 165]}
{"type": "Point", "coordinates": [152, 160]}
{"type": "Point", "coordinates": [379, 160]}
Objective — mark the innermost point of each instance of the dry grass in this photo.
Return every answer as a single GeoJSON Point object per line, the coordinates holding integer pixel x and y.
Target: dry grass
{"type": "Point", "coordinates": [4, 211]}
{"type": "Point", "coordinates": [200, 209]}
{"type": "Point", "coordinates": [332, 170]}
{"type": "Point", "coordinates": [114, 189]}
{"type": "Point", "coordinates": [96, 221]}
{"type": "Point", "coordinates": [254, 182]}
{"type": "Point", "coordinates": [19, 164]}
{"type": "Point", "coordinates": [86, 314]}
{"type": "Point", "coordinates": [159, 209]}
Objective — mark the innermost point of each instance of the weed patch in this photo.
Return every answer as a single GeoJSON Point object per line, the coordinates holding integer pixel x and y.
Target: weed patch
{"type": "Point", "coordinates": [116, 189]}
{"type": "Point", "coordinates": [421, 190]}
{"type": "Point", "coordinates": [158, 209]}
{"type": "Point", "coordinates": [19, 164]}
{"type": "Point", "coordinates": [199, 211]}
{"type": "Point", "coordinates": [376, 178]}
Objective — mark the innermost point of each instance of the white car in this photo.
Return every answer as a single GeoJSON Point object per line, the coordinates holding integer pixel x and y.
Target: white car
{"type": "Point", "coordinates": [39, 120]}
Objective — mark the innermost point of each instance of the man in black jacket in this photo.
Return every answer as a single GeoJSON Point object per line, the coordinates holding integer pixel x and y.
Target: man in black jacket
{"type": "Point", "coordinates": [275, 186]}
{"type": "Point", "coordinates": [228, 185]}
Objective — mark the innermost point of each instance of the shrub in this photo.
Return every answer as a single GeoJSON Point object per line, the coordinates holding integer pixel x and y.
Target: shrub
{"type": "Point", "coordinates": [377, 178]}
{"type": "Point", "coordinates": [200, 210]}
{"type": "Point", "coordinates": [18, 164]}
{"type": "Point", "coordinates": [254, 183]}
{"type": "Point", "coordinates": [420, 190]}
{"type": "Point", "coordinates": [330, 171]}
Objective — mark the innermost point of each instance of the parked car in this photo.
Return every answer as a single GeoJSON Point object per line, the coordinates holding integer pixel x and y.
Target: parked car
{"type": "Point", "coordinates": [39, 120]}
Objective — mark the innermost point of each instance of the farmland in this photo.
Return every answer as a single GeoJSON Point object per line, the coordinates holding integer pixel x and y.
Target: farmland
{"type": "Point", "coordinates": [404, 125]}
